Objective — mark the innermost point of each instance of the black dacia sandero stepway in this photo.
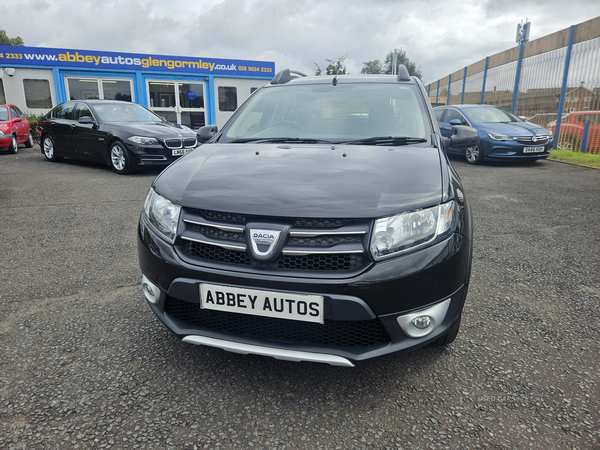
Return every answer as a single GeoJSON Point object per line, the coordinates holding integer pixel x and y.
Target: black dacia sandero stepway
{"type": "Point", "coordinates": [323, 223]}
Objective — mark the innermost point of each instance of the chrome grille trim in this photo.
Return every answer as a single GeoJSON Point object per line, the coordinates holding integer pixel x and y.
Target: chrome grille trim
{"type": "Point", "coordinates": [214, 225]}
{"type": "Point", "coordinates": [309, 234]}
{"type": "Point", "coordinates": [173, 143]}
{"type": "Point", "coordinates": [234, 247]}
{"type": "Point", "coordinates": [321, 252]}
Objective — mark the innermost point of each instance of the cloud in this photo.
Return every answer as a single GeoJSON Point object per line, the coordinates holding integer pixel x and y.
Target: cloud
{"type": "Point", "coordinates": [441, 36]}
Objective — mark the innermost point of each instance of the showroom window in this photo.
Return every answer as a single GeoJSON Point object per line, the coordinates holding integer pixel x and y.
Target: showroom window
{"type": "Point", "coordinates": [227, 98]}
{"type": "Point", "coordinates": [2, 96]}
{"type": "Point", "coordinates": [99, 88]}
{"type": "Point", "coordinates": [37, 93]}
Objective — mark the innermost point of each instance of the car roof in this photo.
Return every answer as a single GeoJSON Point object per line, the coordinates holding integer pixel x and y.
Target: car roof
{"type": "Point", "coordinates": [467, 105]}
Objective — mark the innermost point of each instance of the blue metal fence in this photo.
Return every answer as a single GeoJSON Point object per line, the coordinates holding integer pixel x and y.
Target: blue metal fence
{"type": "Point", "coordinates": [544, 87]}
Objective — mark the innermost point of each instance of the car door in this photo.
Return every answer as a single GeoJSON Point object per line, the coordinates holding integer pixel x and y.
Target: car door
{"type": "Point", "coordinates": [61, 124]}
{"type": "Point", "coordinates": [87, 140]}
{"type": "Point", "coordinates": [18, 125]}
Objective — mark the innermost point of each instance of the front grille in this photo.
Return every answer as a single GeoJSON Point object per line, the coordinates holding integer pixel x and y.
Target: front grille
{"type": "Point", "coordinates": [323, 241]}
{"type": "Point", "coordinates": [364, 333]}
{"type": "Point", "coordinates": [529, 140]}
{"type": "Point", "coordinates": [319, 262]}
{"type": "Point", "coordinates": [217, 234]}
{"type": "Point", "coordinates": [312, 244]}
{"type": "Point", "coordinates": [173, 143]}
{"type": "Point", "coordinates": [189, 142]}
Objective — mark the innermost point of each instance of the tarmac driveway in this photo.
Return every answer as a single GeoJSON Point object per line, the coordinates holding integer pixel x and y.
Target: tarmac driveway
{"type": "Point", "coordinates": [85, 364]}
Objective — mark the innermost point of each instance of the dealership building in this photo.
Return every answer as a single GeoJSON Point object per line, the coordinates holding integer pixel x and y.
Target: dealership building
{"type": "Point", "coordinates": [191, 91]}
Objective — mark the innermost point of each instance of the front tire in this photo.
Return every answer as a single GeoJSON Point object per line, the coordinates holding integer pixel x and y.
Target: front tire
{"type": "Point", "coordinates": [49, 149]}
{"type": "Point", "coordinates": [119, 158]}
{"type": "Point", "coordinates": [474, 155]}
{"type": "Point", "coordinates": [14, 147]}
{"type": "Point", "coordinates": [29, 141]}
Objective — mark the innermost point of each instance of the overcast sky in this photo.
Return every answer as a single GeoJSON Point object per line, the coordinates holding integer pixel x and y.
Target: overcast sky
{"type": "Point", "coordinates": [441, 36]}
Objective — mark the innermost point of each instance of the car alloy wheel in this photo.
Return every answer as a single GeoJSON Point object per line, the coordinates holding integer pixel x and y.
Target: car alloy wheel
{"type": "Point", "coordinates": [119, 158]}
{"type": "Point", "coordinates": [49, 148]}
{"type": "Point", "coordinates": [473, 154]}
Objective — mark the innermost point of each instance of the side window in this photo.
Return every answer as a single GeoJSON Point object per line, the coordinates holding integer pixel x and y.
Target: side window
{"type": "Point", "coordinates": [438, 114]}
{"type": "Point", "coordinates": [453, 114]}
{"type": "Point", "coordinates": [63, 112]}
{"type": "Point", "coordinates": [14, 113]}
{"type": "Point", "coordinates": [227, 98]}
{"type": "Point", "coordinates": [37, 93]}
{"type": "Point", "coordinates": [82, 110]}
{"type": "Point", "coordinates": [20, 113]}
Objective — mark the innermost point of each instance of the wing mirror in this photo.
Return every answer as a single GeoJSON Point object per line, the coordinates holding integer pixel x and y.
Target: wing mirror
{"type": "Point", "coordinates": [85, 119]}
{"type": "Point", "coordinates": [464, 137]}
{"type": "Point", "coordinates": [207, 132]}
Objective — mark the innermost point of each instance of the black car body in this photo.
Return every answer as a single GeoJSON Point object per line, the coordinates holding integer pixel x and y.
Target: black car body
{"type": "Point", "coordinates": [121, 134]}
{"type": "Point", "coordinates": [316, 243]}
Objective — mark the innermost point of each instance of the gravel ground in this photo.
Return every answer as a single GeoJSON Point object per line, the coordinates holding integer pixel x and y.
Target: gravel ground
{"type": "Point", "coordinates": [85, 364]}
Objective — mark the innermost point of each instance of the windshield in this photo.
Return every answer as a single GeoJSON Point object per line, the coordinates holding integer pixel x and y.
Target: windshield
{"type": "Point", "coordinates": [491, 114]}
{"type": "Point", "coordinates": [125, 112]}
{"type": "Point", "coordinates": [328, 113]}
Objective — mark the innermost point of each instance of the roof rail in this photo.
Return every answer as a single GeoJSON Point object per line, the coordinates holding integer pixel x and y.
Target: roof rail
{"type": "Point", "coordinates": [285, 76]}
{"type": "Point", "coordinates": [403, 74]}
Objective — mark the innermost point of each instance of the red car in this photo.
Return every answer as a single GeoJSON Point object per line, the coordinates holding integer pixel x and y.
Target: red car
{"type": "Point", "coordinates": [571, 131]}
{"type": "Point", "coordinates": [14, 129]}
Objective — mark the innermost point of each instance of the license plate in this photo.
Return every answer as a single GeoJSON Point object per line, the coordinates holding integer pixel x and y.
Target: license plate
{"type": "Point", "coordinates": [182, 151]}
{"type": "Point", "coordinates": [533, 149]}
{"type": "Point", "coordinates": [305, 308]}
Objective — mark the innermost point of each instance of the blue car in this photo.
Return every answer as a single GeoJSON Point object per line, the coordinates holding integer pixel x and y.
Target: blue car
{"type": "Point", "coordinates": [503, 136]}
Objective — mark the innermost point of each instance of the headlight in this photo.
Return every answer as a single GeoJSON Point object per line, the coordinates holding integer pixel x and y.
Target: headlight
{"type": "Point", "coordinates": [499, 137]}
{"type": "Point", "coordinates": [162, 215]}
{"type": "Point", "coordinates": [407, 231]}
{"type": "Point", "coordinates": [143, 140]}
{"type": "Point", "coordinates": [1, 133]}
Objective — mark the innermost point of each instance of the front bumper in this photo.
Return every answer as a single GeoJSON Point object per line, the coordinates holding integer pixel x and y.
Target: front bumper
{"type": "Point", "coordinates": [509, 150]}
{"type": "Point", "coordinates": [368, 303]}
{"type": "Point", "coordinates": [5, 141]}
{"type": "Point", "coordinates": [154, 155]}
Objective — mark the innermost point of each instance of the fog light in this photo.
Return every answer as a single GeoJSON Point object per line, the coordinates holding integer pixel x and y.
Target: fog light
{"type": "Point", "coordinates": [151, 291]}
{"type": "Point", "coordinates": [422, 322]}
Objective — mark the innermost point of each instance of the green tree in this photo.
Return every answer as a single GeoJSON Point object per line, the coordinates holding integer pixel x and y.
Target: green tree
{"type": "Point", "coordinates": [412, 67]}
{"type": "Point", "coordinates": [373, 67]}
{"type": "Point", "coordinates": [5, 40]}
{"type": "Point", "coordinates": [335, 67]}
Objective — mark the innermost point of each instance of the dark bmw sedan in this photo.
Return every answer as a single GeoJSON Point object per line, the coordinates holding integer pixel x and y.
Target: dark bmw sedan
{"type": "Point", "coordinates": [323, 223]}
{"type": "Point", "coordinates": [503, 136]}
{"type": "Point", "coordinates": [121, 134]}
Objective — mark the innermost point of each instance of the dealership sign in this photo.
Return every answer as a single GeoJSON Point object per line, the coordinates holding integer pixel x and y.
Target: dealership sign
{"type": "Point", "coordinates": [10, 56]}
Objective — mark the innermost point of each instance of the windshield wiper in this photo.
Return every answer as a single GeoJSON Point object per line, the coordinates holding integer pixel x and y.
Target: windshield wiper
{"type": "Point", "coordinates": [386, 140]}
{"type": "Point", "coordinates": [283, 140]}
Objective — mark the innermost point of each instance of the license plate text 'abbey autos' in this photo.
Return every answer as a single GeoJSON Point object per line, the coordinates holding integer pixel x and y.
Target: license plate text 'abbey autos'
{"type": "Point", "coordinates": [306, 308]}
